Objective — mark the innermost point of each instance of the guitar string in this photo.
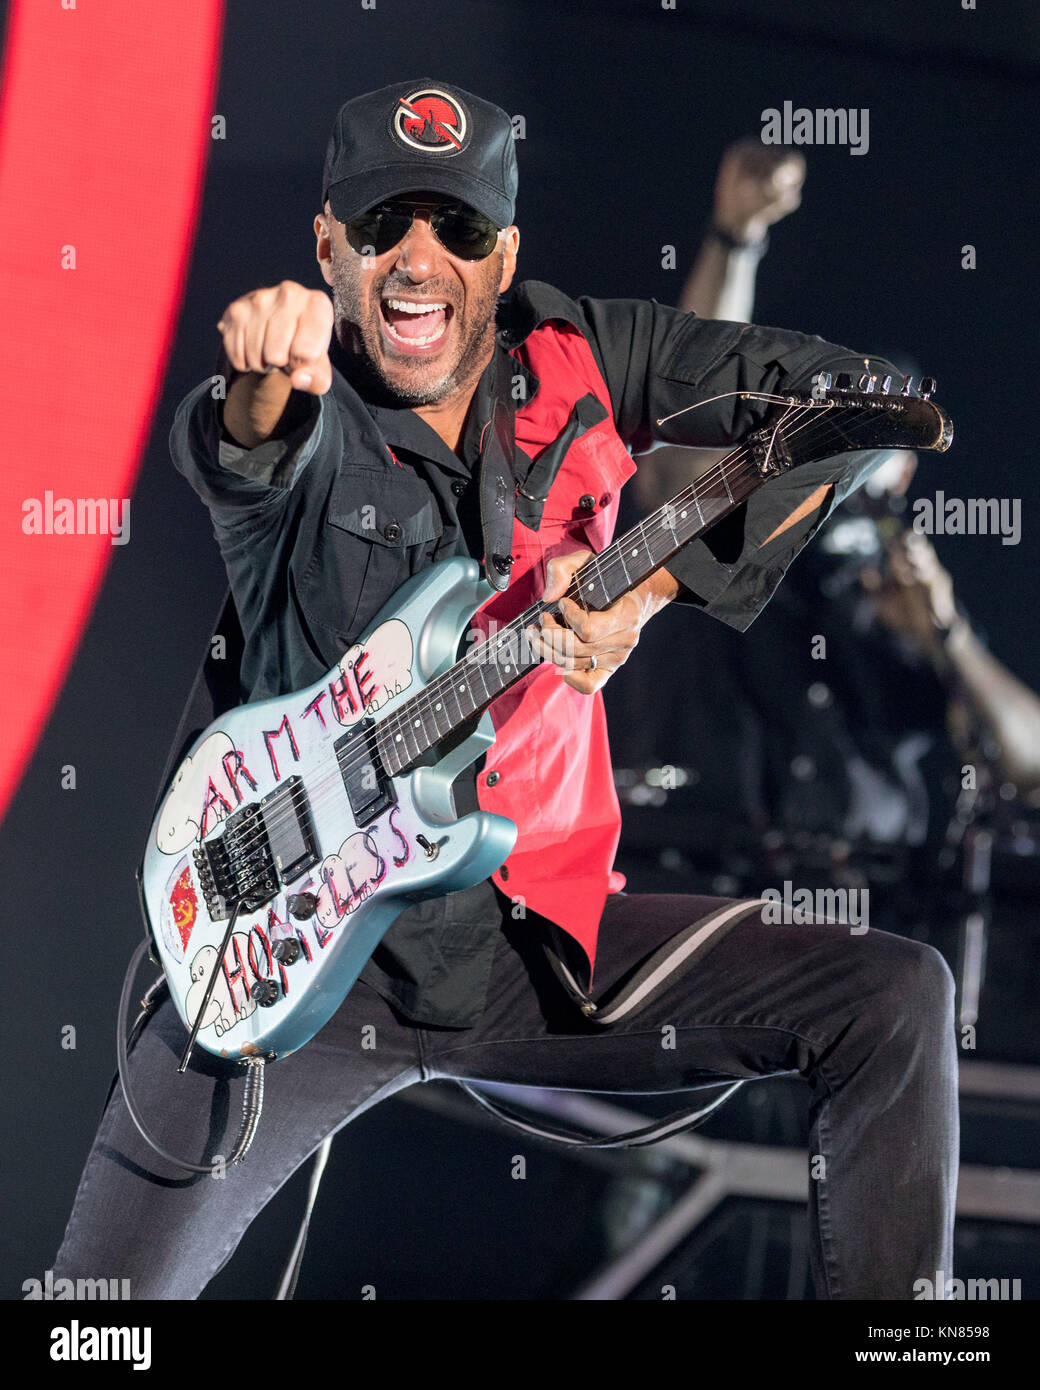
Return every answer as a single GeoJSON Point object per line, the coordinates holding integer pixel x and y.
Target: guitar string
{"type": "Point", "coordinates": [422, 704]}
{"type": "Point", "coordinates": [367, 746]}
{"type": "Point", "coordinates": [363, 750]}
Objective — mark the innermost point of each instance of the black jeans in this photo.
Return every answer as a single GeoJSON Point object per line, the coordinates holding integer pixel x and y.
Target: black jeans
{"type": "Point", "coordinates": [866, 1018]}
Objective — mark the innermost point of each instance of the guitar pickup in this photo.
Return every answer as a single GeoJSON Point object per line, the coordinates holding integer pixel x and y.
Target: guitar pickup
{"type": "Point", "coordinates": [369, 789]}
{"type": "Point", "coordinates": [290, 834]}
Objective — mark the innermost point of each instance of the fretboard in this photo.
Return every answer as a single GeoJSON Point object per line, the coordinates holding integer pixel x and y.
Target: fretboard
{"type": "Point", "coordinates": [454, 699]}
{"type": "Point", "coordinates": [808, 429]}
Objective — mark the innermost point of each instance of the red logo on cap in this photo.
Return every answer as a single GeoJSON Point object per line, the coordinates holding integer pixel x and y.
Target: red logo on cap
{"type": "Point", "coordinates": [431, 121]}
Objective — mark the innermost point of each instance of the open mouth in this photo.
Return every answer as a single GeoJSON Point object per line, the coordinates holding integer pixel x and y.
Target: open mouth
{"type": "Point", "coordinates": [415, 324]}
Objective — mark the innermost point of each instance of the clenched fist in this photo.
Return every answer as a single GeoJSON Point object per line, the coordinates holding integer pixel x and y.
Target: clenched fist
{"type": "Point", "coordinates": [757, 185]}
{"type": "Point", "coordinates": [285, 328]}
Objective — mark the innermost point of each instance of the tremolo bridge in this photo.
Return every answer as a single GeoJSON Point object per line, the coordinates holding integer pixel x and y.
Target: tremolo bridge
{"type": "Point", "coordinates": [261, 846]}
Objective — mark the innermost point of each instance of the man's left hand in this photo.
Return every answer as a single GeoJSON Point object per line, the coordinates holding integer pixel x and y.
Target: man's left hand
{"type": "Point", "coordinates": [608, 636]}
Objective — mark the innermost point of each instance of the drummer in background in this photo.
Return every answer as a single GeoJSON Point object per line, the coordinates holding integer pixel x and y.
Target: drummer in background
{"type": "Point", "coordinates": [849, 755]}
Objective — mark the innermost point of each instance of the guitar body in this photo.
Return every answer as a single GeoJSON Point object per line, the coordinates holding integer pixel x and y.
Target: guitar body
{"type": "Point", "coordinates": [276, 795]}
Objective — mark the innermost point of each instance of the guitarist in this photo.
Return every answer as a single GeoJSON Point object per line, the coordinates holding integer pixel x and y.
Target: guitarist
{"type": "Point", "coordinates": [421, 413]}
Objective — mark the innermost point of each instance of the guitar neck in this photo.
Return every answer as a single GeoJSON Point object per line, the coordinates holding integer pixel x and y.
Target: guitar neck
{"type": "Point", "coordinates": [453, 700]}
{"type": "Point", "coordinates": [807, 428]}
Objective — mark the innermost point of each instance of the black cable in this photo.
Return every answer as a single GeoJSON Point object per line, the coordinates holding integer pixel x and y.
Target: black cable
{"type": "Point", "coordinates": [252, 1098]}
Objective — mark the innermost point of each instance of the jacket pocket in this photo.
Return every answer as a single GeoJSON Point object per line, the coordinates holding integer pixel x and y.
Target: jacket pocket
{"type": "Point", "coordinates": [587, 489]}
{"type": "Point", "coordinates": [377, 526]}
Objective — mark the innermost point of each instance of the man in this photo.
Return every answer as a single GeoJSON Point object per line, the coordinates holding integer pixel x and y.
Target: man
{"type": "Point", "coordinates": [362, 440]}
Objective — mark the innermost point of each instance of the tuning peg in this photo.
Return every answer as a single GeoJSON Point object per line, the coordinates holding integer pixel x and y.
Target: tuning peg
{"type": "Point", "coordinates": [886, 385]}
{"type": "Point", "coordinates": [843, 382]}
{"type": "Point", "coordinates": [867, 383]}
{"type": "Point", "coordinates": [927, 387]}
{"type": "Point", "coordinates": [906, 386]}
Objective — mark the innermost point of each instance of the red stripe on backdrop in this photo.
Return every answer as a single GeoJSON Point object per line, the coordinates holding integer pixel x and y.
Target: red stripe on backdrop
{"type": "Point", "coordinates": [104, 133]}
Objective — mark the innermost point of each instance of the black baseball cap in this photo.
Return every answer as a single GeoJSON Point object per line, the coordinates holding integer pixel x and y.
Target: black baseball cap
{"type": "Point", "coordinates": [421, 135]}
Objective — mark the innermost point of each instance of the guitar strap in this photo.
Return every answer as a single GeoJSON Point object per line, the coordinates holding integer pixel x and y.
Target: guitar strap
{"type": "Point", "coordinates": [533, 492]}
{"type": "Point", "coordinates": [651, 976]}
{"type": "Point", "coordinates": [498, 479]}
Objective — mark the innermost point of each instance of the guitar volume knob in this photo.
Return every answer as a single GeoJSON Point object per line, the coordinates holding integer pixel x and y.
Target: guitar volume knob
{"type": "Point", "coordinates": [265, 992]}
{"type": "Point", "coordinates": [302, 905]}
{"type": "Point", "coordinates": [286, 951]}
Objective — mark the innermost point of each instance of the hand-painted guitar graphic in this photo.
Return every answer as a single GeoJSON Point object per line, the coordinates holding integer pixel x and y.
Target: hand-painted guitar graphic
{"type": "Point", "coordinates": [298, 828]}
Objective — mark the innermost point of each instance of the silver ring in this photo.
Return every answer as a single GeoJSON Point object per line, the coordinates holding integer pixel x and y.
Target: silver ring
{"type": "Point", "coordinates": [592, 667]}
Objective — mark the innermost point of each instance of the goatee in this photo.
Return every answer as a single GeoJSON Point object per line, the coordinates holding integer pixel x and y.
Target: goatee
{"type": "Point", "coordinates": [353, 356]}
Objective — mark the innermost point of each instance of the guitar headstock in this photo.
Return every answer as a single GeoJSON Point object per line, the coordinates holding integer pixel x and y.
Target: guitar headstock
{"type": "Point", "coordinates": [920, 420]}
{"type": "Point", "coordinates": [846, 416]}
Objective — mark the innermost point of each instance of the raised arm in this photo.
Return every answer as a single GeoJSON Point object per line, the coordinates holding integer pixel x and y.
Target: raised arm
{"type": "Point", "coordinates": [756, 186]}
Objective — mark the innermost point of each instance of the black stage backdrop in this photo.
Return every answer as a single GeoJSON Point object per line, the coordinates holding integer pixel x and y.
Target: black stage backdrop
{"type": "Point", "coordinates": [627, 107]}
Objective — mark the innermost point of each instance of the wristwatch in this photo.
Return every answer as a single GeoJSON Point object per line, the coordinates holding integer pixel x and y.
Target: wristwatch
{"type": "Point", "coordinates": [732, 243]}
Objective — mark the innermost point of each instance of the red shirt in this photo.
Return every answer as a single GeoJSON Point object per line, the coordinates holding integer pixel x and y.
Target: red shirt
{"type": "Point", "coordinates": [549, 769]}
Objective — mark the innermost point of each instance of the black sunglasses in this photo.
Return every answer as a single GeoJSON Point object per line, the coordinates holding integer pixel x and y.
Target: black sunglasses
{"type": "Point", "coordinates": [461, 230]}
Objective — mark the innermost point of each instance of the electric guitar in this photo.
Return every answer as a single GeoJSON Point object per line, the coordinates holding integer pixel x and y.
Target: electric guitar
{"type": "Point", "coordinates": [299, 827]}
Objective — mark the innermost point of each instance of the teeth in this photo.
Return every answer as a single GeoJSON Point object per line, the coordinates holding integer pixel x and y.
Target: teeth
{"type": "Point", "coordinates": [408, 306]}
{"type": "Point", "coordinates": [417, 342]}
